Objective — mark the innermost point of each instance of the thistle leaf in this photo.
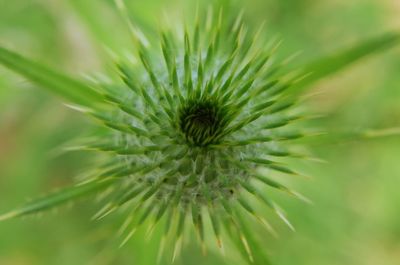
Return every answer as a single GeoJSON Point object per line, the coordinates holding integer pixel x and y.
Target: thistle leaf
{"type": "Point", "coordinates": [58, 198]}
{"type": "Point", "coordinates": [346, 136]}
{"type": "Point", "coordinates": [73, 90]}
{"type": "Point", "coordinates": [333, 63]}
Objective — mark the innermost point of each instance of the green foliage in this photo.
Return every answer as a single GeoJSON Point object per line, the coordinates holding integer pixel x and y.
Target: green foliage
{"type": "Point", "coordinates": [60, 197]}
{"type": "Point", "coordinates": [73, 90]}
{"type": "Point", "coordinates": [190, 139]}
{"type": "Point", "coordinates": [331, 64]}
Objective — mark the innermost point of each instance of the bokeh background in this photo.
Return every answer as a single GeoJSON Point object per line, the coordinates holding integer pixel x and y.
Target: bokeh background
{"type": "Point", "coordinates": [355, 218]}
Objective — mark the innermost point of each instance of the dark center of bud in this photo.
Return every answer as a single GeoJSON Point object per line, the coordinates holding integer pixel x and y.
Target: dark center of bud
{"type": "Point", "coordinates": [200, 122]}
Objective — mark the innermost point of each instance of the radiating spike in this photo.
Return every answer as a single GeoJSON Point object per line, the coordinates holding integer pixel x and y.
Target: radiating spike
{"type": "Point", "coordinates": [215, 32]}
{"type": "Point", "coordinates": [196, 35]}
{"type": "Point", "coordinates": [167, 228]}
{"type": "Point", "coordinates": [300, 196]}
{"type": "Point", "coordinates": [121, 150]}
{"type": "Point", "coordinates": [294, 135]}
{"type": "Point", "coordinates": [273, 165]}
{"type": "Point", "coordinates": [195, 216]}
{"type": "Point", "coordinates": [280, 107]}
{"type": "Point", "coordinates": [239, 125]}
{"type": "Point", "coordinates": [137, 35]}
{"type": "Point", "coordinates": [175, 83]}
{"type": "Point", "coordinates": [267, 225]}
{"type": "Point", "coordinates": [146, 213]}
{"type": "Point", "coordinates": [281, 187]}
{"type": "Point", "coordinates": [171, 103]}
{"type": "Point", "coordinates": [213, 217]}
{"type": "Point", "coordinates": [264, 222]}
{"type": "Point", "coordinates": [244, 88]}
{"type": "Point", "coordinates": [266, 87]}
{"type": "Point", "coordinates": [258, 160]}
{"type": "Point", "coordinates": [177, 249]}
{"type": "Point", "coordinates": [179, 234]}
{"type": "Point", "coordinates": [129, 236]}
{"type": "Point", "coordinates": [262, 106]}
{"type": "Point", "coordinates": [238, 21]}
{"type": "Point", "coordinates": [128, 78]}
{"type": "Point", "coordinates": [283, 217]}
{"type": "Point", "coordinates": [161, 211]}
{"type": "Point", "coordinates": [129, 110]}
{"type": "Point", "coordinates": [125, 128]}
{"type": "Point", "coordinates": [224, 87]}
{"type": "Point", "coordinates": [116, 172]}
{"type": "Point", "coordinates": [239, 36]}
{"type": "Point", "coordinates": [209, 18]}
{"type": "Point", "coordinates": [146, 63]}
{"type": "Point", "coordinates": [242, 238]}
{"type": "Point", "coordinates": [209, 87]}
{"type": "Point", "coordinates": [231, 220]}
{"type": "Point", "coordinates": [243, 71]}
{"type": "Point", "coordinates": [103, 212]}
{"type": "Point", "coordinates": [259, 31]}
{"type": "Point", "coordinates": [270, 182]}
{"type": "Point", "coordinates": [216, 226]}
{"type": "Point", "coordinates": [250, 141]}
{"type": "Point", "coordinates": [291, 58]}
{"type": "Point", "coordinates": [147, 98]}
{"type": "Point", "coordinates": [246, 246]}
{"type": "Point", "coordinates": [286, 170]}
{"type": "Point", "coordinates": [200, 77]}
{"type": "Point", "coordinates": [277, 123]}
{"type": "Point", "coordinates": [161, 249]}
{"type": "Point", "coordinates": [264, 138]}
{"type": "Point", "coordinates": [269, 203]}
{"type": "Point", "coordinates": [126, 224]}
{"type": "Point", "coordinates": [187, 64]}
{"type": "Point", "coordinates": [169, 57]}
{"type": "Point", "coordinates": [198, 224]}
{"type": "Point", "coordinates": [224, 67]}
{"type": "Point", "coordinates": [209, 56]}
{"type": "Point", "coordinates": [290, 154]}
{"type": "Point", "coordinates": [130, 195]}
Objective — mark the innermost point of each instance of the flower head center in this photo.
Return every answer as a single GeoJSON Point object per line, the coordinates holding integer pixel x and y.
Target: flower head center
{"type": "Point", "coordinates": [200, 121]}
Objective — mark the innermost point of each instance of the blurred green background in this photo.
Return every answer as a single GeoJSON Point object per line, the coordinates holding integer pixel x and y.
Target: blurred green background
{"type": "Point", "coordinates": [355, 218]}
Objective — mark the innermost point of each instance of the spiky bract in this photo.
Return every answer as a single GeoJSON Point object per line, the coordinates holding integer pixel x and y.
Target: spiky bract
{"type": "Point", "coordinates": [191, 125]}
{"type": "Point", "coordinates": [189, 137]}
